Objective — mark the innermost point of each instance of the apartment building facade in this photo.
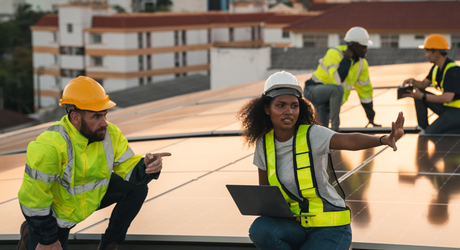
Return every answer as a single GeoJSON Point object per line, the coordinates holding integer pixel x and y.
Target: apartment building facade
{"type": "Point", "coordinates": [122, 51]}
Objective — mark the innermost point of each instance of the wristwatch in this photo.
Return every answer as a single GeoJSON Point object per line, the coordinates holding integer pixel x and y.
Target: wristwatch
{"type": "Point", "coordinates": [424, 97]}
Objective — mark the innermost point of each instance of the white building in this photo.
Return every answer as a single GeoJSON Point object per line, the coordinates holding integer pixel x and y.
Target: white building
{"type": "Point", "coordinates": [122, 51]}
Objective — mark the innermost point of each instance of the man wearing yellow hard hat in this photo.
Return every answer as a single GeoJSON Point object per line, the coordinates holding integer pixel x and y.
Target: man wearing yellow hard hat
{"type": "Point", "coordinates": [80, 164]}
{"type": "Point", "coordinates": [445, 76]}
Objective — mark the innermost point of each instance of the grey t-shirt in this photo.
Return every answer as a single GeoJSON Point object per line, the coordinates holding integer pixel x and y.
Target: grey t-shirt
{"type": "Point", "coordinates": [320, 138]}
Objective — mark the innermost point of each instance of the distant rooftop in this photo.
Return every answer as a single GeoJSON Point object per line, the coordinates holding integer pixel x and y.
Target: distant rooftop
{"type": "Point", "coordinates": [411, 16]}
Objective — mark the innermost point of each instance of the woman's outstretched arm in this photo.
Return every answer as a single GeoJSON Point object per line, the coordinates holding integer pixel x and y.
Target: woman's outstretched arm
{"type": "Point", "coordinates": [357, 141]}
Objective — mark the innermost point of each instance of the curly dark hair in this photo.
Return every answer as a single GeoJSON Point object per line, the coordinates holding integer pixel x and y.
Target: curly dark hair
{"type": "Point", "coordinates": [256, 123]}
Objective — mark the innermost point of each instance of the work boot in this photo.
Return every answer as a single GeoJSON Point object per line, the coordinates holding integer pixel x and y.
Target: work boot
{"type": "Point", "coordinates": [374, 125]}
{"type": "Point", "coordinates": [24, 232]}
{"type": "Point", "coordinates": [108, 246]}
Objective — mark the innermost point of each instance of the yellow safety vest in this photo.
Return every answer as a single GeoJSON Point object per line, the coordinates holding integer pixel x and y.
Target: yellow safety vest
{"type": "Point", "coordinates": [454, 103]}
{"type": "Point", "coordinates": [67, 176]}
{"type": "Point", "coordinates": [312, 204]}
{"type": "Point", "coordinates": [357, 78]}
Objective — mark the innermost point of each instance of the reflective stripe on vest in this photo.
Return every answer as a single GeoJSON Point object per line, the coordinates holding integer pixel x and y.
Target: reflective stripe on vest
{"type": "Point", "coordinates": [312, 204]}
{"type": "Point", "coordinates": [455, 103]}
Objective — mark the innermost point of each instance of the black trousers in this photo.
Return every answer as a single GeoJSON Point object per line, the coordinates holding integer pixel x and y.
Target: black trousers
{"type": "Point", "coordinates": [129, 199]}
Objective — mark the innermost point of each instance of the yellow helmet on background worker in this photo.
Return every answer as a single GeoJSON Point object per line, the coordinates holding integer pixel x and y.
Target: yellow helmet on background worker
{"type": "Point", "coordinates": [358, 35]}
{"type": "Point", "coordinates": [435, 41]}
{"type": "Point", "coordinates": [86, 94]}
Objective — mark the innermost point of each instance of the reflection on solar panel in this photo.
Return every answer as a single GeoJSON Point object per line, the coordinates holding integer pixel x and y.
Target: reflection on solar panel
{"type": "Point", "coordinates": [398, 199]}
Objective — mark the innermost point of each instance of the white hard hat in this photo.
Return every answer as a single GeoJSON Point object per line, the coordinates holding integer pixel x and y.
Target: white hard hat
{"type": "Point", "coordinates": [282, 80]}
{"type": "Point", "coordinates": [358, 35]}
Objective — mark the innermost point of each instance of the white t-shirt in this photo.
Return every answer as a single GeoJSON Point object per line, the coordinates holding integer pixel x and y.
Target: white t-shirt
{"type": "Point", "coordinates": [320, 138]}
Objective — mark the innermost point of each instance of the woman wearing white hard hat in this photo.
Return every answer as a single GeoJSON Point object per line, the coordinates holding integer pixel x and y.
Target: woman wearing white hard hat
{"type": "Point", "coordinates": [292, 153]}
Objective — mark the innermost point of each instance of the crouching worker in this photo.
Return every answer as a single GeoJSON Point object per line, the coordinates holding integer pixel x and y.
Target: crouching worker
{"type": "Point", "coordinates": [292, 153]}
{"type": "Point", "coordinates": [78, 165]}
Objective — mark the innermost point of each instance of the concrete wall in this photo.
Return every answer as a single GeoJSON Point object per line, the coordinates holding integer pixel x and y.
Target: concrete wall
{"type": "Point", "coordinates": [197, 36]}
{"type": "Point", "coordinates": [80, 18]}
{"type": "Point", "coordinates": [112, 41]}
{"type": "Point", "coordinates": [242, 33]}
{"type": "Point", "coordinates": [162, 38]}
{"type": "Point", "coordinates": [274, 35]}
{"type": "Point", "coordinates": [161, 61]}
{"type": "Point", "coordinates": [44, 38]}
{"type": "Point", "coordinates": [220, 34]}
{"type": "Point", "coordinates": [189, 5]}
{"type": "Point", "coordinates": [234, 66]}
{"type": "Point", "coordinates": [197, 57]}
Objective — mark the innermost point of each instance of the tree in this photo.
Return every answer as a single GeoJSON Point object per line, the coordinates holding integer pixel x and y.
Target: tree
{"type": "Point", "coordinates": [16, 68]}
{"type": "Point", "coordinates": [119, 9]}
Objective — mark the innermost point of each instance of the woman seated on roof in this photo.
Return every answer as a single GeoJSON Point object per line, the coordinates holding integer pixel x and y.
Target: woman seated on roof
{"type": "Point", "coordinates": [292, 152]}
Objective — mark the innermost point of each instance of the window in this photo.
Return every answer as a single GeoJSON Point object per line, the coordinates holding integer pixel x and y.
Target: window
{"type": "Point", "coordinates": [259, 32]}
{"type": "Point", "coordinates": [176, 59]}
{"type": "Point", "coordinates": [141, 81]}
{"type": "Point", "coordinates": [72, 73]}
{"type": "Point", "coordinates": [139, 39]}
{"type": "Point", "coordinates": [253, 33]}
{"type": "Point", "coordinates": [184, 37]}
{"type": "Point", "coordinates": [176, 37]}
{"type": "Point", "coordinates": [55, 38]}
{"type": "Point", "coordinates": [285, 34]}
{"type": "Point", "coordinates": [314, 41]}
{"type": "Point", "coordinates": [149, 42]}
{"type": "Point", "coordinates": [209, 35]}
{"type": "Point", "coordinates": [57, 81]}
{"type": "Point", "coordinates": [141, 62]}
{"type": "Point", "coordinates": [72, 50]}
{"type": "Point", "coordinates": [69, 28]}
{"type": "Point", "coordinates": [149, 62]}
{"type": "Point", "coordinates": [419, 37]}
{"type": "Point", "coordinates": [96, 60]}
{"type": "Point", "coordinates": [231, 34]}
{"type": "Point", "coordinates": [389, 41]}
{"type": "Point", "coordinates": [149, 80]}
{"type": "Point", "coordinates": [455, 40]}
{"type": "Point", "coordinates": [56, 59]}
{"type": "Point", "coordinates": [79, 51]}
{"type": "Point", "coordinates": [184, 58]}
{"type": "Point", "coordinates": [96, 38]}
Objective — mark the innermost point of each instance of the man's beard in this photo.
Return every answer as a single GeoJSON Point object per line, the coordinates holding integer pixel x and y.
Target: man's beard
{"type": "Point", "coordinates": [92, 136]}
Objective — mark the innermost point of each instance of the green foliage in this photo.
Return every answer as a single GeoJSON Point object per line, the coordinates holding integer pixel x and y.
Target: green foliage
{"type": "Point", "coordinates": [161, 5]}
{"type": "Point", "coordinates": [16, 68]}
{"type": "Point", "coordinates": [119, 9]}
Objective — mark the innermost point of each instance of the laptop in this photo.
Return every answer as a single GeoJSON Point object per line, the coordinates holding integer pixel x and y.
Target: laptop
{"type": "Point", "coordinates": [261, 200]}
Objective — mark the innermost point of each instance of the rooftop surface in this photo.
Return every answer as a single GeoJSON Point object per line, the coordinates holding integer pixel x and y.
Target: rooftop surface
{"type": "Point", "coordinates": [408, 199]}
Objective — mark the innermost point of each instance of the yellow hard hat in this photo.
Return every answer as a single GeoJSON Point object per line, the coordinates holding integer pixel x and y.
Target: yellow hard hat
{"type": "Point", "coordinates": [86, 94]}
{"type": "Point", "coordinates": [435, 41]}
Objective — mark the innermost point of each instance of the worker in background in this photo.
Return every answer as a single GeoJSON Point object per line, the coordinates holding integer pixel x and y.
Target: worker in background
{"type": "Point", "coordinates": [342, 69]}
{"type": "Point", "coordinates": [445, 76]}
{"type": "Point", "coordinates": [78, 165]}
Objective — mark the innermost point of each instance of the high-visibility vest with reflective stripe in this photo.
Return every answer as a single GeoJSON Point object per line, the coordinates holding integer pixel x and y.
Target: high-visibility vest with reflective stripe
{"type": "Point", "coordinates": [357, 78]}
{"type": "Point", "coordinates": [67, 176]}
{"type": "Point", "coordinates": [454, 103]}
{"type": "Point", "coordinates": [312, 203]}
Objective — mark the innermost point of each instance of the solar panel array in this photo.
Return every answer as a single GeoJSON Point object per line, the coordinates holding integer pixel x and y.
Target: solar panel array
{"type": "Point", "coordinates": [399, 200]}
